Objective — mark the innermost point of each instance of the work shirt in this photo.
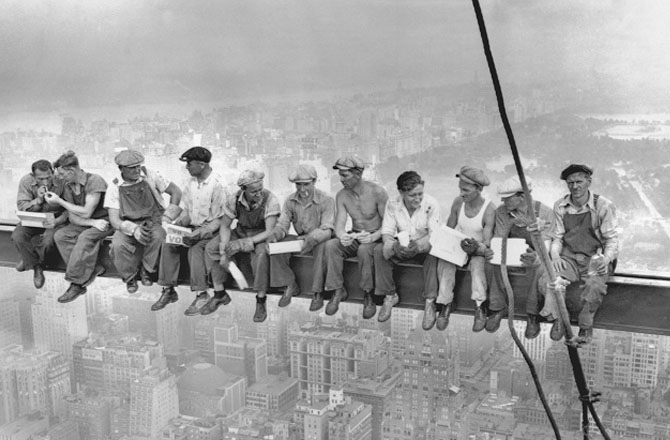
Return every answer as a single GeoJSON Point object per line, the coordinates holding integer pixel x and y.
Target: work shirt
{"type": "Point", "coordinates": [26, 198]}
{"type": "Point", "coordinates": [204, 201]}
{"type": "Point", "coordinates": [86, 183]}
{"type": "Point", "coordinates": [316, 217]}
{"type": "Point", "coordinates": [603, 221]}
{"type": "Point", "coordinates": [157, 183]}
{"type": "Point", "coordinates": [423, 221]}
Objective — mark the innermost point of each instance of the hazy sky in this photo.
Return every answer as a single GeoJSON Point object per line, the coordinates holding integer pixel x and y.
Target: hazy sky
{"type": "Point", "coordinates": [83, 52]}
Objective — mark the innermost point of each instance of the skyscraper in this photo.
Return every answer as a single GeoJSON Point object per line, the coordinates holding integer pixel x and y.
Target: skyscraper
{"type": "Point", "coordinates": [58, 326]}
{"type": "Point", "coordinates": [153, 402]}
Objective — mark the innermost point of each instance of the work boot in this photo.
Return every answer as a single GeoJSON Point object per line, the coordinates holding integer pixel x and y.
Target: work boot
{"type": "Point", "coordinates": [557, 330]}
{"type": "Point", "coordinates": [168, 296]}
{"type": "Point", "coordinates": [98, 271]}
{"type": "Point", "coordinates": [38, 276]}
{"type": "Point", "coordinates": [443, 317]}
{"type": "Point", "coordinates": [220, 298]}
{"type": "Point", "coordinates": [261, 311]}
{"type": "Point", "coordinates": [20, 266]}
{"type": "Point", "coordinates": [369, 306]}
{"type": "Point", "coordinates": [317, 302]}
{"type": "Point", "coordinates": [387, 307]}
{"type": "Point", "coordinates": [532, 327]}
{"type": "Point", "coordinates": [131, 285]}
{"type": "Point", "coordinates": [479, 322]}
{"type": "Point", "coordinates": [198, 303]}
{"type": "Point", "coordinates": [145, 277]}
{"type": "Point", "coordinates": [72, 293]}
{"type": "Point", "coordinates": [584, 336]}
{"type": "Point", "coordinates": [334, 303]}
{"type": "Point", "coordinates": [290, 291]}
{"type": "Point", "coordinates": [493, 320]}
{"type": "Point", "coordinates": [429, 314]}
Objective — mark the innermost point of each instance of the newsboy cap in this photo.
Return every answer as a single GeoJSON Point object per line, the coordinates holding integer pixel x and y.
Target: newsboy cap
{"type": "Point", "coordinates": [473, 175]}
{"type": "Point", "coordinates": [250, 176]}
{"type": "Point", "coordinates": [576, 168]}
{"type": "Point", "coordinates": [129, 158]}
{"type": "Point", "coordinates": [348, 163]}
{"type": "Point", "coordinates": [196, 153]}
{"type": "Point", "coordinates": [302, 174]}
{"type": "Point", "coordinates": [512, 186]}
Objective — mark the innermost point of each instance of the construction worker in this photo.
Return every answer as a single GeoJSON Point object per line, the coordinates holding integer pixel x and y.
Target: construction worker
{"type": "Point", "coordinates": [584, 247]}
{"type": "Point", "coordinates": [312, 214]}
{"type": "Point", "coordinates": [136, 209]}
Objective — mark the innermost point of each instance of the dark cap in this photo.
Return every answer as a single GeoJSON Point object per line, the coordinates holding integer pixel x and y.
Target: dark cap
{"type": "Point", "coordinates": [473, 176]}
{"type": "Point", "coordinates": [196, 153]}
{"type": "Point", "coordinates": [349, 163]}
{"type": "Point", "coordinates": [576, 168]}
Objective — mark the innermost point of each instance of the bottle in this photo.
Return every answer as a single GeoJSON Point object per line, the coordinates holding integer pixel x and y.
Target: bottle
{"type": "Point", "coordinates": [595, 262]}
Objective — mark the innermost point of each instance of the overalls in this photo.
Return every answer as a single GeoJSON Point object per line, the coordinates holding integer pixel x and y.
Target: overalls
{"type": "Point", "coordinates": [138, 204]}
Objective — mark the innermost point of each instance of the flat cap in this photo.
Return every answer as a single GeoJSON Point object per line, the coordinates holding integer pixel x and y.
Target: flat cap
{"type": "Point", "coordinates": [129, 158]}
{"type": "Point", "coordinates": [303, 173]}
{"type": "Point", "coordinates": [512, 186]}
{"type": "Point", "coordinates": [473, 175]}
{"type": "Point", "coordinates": [348, 163]}
{"type": "Point", "coordinates": [250, 176]}
{"type": "Point", "coordinates": [576, 168]}
{"type": "Point", "coordinates": [196, 153]}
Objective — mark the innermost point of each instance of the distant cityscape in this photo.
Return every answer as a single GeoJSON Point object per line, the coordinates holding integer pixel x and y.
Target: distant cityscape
{"type": "Point", "coordinates": [106, 367]}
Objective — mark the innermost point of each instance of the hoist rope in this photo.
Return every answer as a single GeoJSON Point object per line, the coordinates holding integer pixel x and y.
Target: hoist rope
{"type": "Point", "coordinates": [584, 393]}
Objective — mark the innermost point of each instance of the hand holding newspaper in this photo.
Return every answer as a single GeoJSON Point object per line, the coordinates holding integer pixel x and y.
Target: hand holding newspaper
{"type": "Point", "coordinates": [175, 234]}
{"type": "Point", "coordinates": [446, 244]}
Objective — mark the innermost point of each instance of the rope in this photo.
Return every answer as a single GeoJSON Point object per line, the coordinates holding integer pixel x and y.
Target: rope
{"type": "Point", "coordinates": [540, 248]}
{"type": "Point", "coordinates": [519, 344]}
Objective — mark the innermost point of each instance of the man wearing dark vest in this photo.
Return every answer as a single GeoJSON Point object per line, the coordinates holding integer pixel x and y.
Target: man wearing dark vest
{"type": "Point", "coordinates": [31, 197]}
{"type": "Point", "coordinates": [79, 241]}
{"type": "Point", "coordinates": [512, 221]}
{"type": "Point", "coordinates": [203, 197]}
{"type": "Point", "coordinates": [136, 210]}
{"type": "Point", "coordinates": [256, 210]}
{"type": "Point", "coordinates": [585, 246]}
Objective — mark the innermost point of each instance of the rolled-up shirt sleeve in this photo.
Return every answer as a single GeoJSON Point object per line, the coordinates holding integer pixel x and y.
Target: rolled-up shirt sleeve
{"type": "Point", "coordinates": [389, 222]}
{"type": "Point", "coordinates": [608, 230]}
{"type": "Point", "coordinates": [25, 199]}
{"type": "Point", "coordinates": [285, 219]}
{"type": "Point", "coordinates": [327, 225]}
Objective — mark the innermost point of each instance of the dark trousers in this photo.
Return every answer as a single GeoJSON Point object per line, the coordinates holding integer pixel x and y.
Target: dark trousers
{"type": "Point", "coordinates": [281, 273]}
{"type": "Point", "coordinates": [128, 253]}
{"type": "Point", "coordinates": [260, 262]}
{"type": "Point", "coordinates": [498, 297]}
{"type": "Point", "coordinates": [592, 293]}
{"type": "Point", "coordinates": [33, 244]}
{"type": "Point", "coordinates": [168, 270]}
{"type": "Point", "coordinates": [384, 283]}
{"type": "Point", "coordinates": [79, 247]}
{"type": "Point", "coordinates": [335, 254]}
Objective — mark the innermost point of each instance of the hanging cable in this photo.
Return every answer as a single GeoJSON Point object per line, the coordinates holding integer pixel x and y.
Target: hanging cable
{"type": "Point", "coordinates": [519, 344]}
{"type": "Point", "coordinates": [585, 395]}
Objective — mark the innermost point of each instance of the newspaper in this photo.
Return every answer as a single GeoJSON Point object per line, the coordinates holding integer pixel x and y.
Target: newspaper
{"type": "Point", "coordinates": [446, 244]}
{"type": "Point", "coordinates": [175, 234]}
{"type": "Point", "coordinates": [515, 247]}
